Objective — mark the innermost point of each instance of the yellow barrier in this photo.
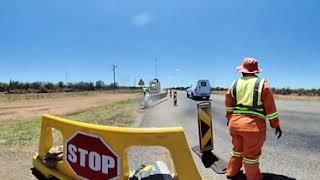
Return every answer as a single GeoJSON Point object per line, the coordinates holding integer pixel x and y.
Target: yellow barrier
{"type": "Point", "coordinates": [118, 140]}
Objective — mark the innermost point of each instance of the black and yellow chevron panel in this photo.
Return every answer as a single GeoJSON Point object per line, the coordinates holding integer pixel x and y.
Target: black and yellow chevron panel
{"type": "Point", "coordinates": [205, 127]}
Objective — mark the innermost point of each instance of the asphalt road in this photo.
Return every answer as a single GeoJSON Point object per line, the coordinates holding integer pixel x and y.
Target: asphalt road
{"type": "Point", "coordinates": [295, 155]}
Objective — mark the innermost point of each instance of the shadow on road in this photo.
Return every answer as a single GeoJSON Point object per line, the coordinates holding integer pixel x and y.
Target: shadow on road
{"type": "Point", "coordinates": [199, 99]}
{"type": "Point", "coordinates": [268, 176]}
{"type": "Point", "coordinates": [39, 176]}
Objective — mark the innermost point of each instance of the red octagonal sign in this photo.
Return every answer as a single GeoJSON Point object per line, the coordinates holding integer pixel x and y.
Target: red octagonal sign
{"type": "Point", "coordinates": [91, 157]}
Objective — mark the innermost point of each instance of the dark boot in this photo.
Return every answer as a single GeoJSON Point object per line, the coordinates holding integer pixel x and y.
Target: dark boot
{"type": "Point", "coordinates": [238, 176]}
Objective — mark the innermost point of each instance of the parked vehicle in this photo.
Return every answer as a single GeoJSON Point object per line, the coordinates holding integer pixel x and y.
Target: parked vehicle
{"type": "Point", "coordinates": [200, 88]}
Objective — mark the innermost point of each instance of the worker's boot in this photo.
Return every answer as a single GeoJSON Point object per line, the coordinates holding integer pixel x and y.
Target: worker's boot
{"type": "Point", "coordinates": [238, 176]}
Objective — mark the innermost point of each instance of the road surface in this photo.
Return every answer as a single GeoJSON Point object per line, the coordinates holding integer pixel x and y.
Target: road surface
{"type": "Point", "coordinates": [295, 155]}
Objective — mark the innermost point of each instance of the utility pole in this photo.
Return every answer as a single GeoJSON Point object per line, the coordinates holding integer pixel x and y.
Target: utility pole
{"type": "Point", "coordinates": [156, 67]}
{"type": "Point", "coordinates": [66, 78]}
{"type": "Point", "coordinates": [9, 86]}
{"type": "Point", "coordinates": [114, 67]}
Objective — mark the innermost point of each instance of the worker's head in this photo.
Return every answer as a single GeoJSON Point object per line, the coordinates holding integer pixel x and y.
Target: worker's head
{"type": "Point", "coordinates": [250, 66]}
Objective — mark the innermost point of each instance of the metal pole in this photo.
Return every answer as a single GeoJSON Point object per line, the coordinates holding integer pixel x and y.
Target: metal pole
{"type": "Point", "coordinates": [114, 78]}
{"type": "Point", "coordinates": [156, 67]}
{"type": "Point", "coordinates": [66, 78]}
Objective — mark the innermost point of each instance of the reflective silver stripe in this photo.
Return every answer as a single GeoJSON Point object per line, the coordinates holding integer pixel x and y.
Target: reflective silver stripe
{"type": "Point", "coordinates": [249, 112]}
{"type": "Point", "coordinates": [237, 154]}
{"type": "Point", "coordinates": [273, 115]}
{"type": "Point", "coordinates": [256, 93]}
{"type": "Point", "coordinates": [251, 161]}
{"type": "Point", "coordinates": [229, 109]}
{"type": "Point", "coordinates": [234, 91]}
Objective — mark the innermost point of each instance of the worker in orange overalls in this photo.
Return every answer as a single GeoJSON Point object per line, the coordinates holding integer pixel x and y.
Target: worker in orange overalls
{"type": "Point", "coordinates": [249, 102]}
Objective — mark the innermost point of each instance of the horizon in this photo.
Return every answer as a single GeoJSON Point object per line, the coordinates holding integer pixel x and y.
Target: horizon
{"type": "Point", "coordinates": [136, 85]}
{"type": "Point", "coordinates": [44, 40]}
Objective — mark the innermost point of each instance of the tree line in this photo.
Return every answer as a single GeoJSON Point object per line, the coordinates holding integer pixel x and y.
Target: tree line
{"type": "Point", "coordinates": [299, 92]}
{"type": "Point", "coordinates": [17, 87]}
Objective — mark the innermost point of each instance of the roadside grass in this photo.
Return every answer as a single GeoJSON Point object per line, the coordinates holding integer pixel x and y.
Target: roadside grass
{"type": "Point", "coordinates": [116, 114]}
{"type": "Point", "coordinates": [20, 133]}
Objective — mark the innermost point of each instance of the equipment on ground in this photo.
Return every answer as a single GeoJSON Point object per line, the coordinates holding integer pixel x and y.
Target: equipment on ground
{"type": "Point", "coordinates": [156, 171]}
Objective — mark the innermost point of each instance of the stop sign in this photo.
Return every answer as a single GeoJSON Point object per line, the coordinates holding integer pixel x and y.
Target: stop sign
{"type": "Point", "coordinates": [90, 157]}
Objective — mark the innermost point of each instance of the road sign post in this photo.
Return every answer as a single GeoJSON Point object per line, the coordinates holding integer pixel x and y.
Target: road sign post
{"type": "Point", "coordinates": [90, 157]}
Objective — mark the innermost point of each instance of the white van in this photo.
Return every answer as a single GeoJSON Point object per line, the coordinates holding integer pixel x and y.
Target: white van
{"type": "Point", "coordinates": [200, 88]}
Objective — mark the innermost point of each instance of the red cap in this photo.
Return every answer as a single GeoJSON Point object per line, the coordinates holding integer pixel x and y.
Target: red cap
{"type": "Point", "coordinates": [250, 65]}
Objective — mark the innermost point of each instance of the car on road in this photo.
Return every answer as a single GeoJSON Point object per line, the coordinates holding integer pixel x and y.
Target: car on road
{"type": "Point", "coordinates": [199, 89]}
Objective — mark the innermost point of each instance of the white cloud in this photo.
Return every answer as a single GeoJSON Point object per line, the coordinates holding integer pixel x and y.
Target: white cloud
{"type": "Point", "coordinates": [141, 19]}
{"type": "Point", "coordinates": [178, 70]}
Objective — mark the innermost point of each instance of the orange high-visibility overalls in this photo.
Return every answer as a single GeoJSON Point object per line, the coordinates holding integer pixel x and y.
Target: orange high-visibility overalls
{"type": "Point", "coordinates": [249, 102]}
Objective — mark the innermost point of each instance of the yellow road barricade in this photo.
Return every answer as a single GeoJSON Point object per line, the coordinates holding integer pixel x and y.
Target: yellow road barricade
{"type": "Point", "coordinates": [100, 152]}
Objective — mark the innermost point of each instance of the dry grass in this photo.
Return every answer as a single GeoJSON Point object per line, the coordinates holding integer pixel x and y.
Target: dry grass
{"type": "Point", "coordinates": [18, 141]}
{"type": "Point", "coordinates": [298, 98]}
{"type": "Point", "coordinates": [285, 97]}
{"type": "Point", "coordinates": [37, 96]}
{"type": "Point", "coordinates": [120, 113]}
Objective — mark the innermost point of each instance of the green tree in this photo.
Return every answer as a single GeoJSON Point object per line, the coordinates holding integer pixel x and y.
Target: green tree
{"type": "Point", "coordinates": [141, 83]}
{"type": "Point", "coordinates": [61, 85]}
{"type": "Point", "coordinates": [100, 85]}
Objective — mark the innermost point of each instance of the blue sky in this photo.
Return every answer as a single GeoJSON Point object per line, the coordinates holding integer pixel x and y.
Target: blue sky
{"type": "Point", "coordinates": [44, 39]}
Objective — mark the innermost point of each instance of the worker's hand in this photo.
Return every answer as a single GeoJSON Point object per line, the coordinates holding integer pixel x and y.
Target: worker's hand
{"type": "Point", "coordinates": [278, 132]}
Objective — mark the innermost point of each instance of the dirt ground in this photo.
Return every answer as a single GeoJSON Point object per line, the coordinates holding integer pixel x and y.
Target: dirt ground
{"type": "Point", "coordinates": [16, 161]}
{"type": "Point", "coordinates": [28, 109]}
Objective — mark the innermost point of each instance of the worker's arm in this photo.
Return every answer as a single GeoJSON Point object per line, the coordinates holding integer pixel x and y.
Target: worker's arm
{"type": "Point", "coordinates": [229, 103]}
{"type": "Point", "coordinates": [270, 106]}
